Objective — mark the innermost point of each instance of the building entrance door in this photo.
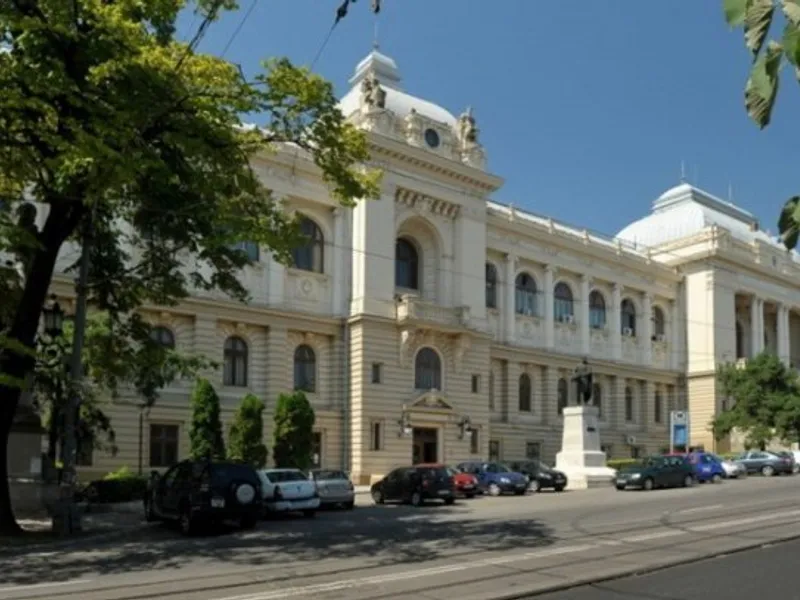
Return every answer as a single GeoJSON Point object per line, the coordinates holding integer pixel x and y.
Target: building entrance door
{"type": "Point", "coordinates": [425, 446]}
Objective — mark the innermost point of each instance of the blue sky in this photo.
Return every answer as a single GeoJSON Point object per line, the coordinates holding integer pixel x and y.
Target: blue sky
{"type": "Point", "coordinates": [586, 108]}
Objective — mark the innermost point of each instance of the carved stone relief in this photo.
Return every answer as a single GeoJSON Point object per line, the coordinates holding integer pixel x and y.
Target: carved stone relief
{"type": "Point", "coordinates": [453, 347]}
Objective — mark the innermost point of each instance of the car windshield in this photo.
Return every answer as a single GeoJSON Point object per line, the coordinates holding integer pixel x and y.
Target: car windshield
{"type": "Point", "coordinates": [326, 475]}
{"type": "Point", "coordinates": [225, 473]}
{"type": "Point", "coordinates": [452, 471]}
{"type": "Point", "coordinates": [498, 468]}
{"type": "Point", "coordinates": [282, 476]}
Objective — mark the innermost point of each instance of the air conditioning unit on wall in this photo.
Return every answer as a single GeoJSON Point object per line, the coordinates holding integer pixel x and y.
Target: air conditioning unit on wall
{"type": "Point", "coordinates": [630, 440]}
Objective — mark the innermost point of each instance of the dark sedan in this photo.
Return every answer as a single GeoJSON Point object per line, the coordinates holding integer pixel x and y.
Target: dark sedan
{"type": "Point", "coordinates": [656, 472]}
{"type": "Point", "coordinates": [415, 485]}
{"type": "Point", "coordinates": [541, 475]}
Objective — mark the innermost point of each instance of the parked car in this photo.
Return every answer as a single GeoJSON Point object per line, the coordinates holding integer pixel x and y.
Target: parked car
{"type": "Point", "coordinates": [766, 463]}
{"type": "Point", "coordinates": [415, 485]}
{"type": "Point", "coordinates": [706, 467]}
{"type": "Point", "coordinates": [496, 478]}
{"type": "Point", "coordinates": [793, 455]}
{"type": "Point", "coordinates": [733, 469]}
{"type": "Point", "coordinates": [198, 493]}
{"type": "Point", "coordinates": [540, 475]}
{"type": "Point", "coordinates": [656, 472]}
{"type": "Point", "coordinates": [288, 490]}
{"type": "Point", "coordinates": [334, 488]}
{"type": "Point", "coordinates": [466, 484]}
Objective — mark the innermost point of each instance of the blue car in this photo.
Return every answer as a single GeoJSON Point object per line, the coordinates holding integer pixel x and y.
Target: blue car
{"type": "Point", "coordinates": [707, 467]}
{"type": "Point", "coordinates": [495, 478]}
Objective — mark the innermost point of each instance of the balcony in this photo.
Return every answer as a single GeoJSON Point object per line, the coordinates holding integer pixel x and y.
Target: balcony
{"type": "Point", "coordinates": [412, 310]}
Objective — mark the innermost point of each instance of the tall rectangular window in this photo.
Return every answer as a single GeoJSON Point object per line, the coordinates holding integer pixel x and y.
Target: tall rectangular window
{"type": "Point", "coordinates": [494, 450]}
{"type": "Point", "coordinates": [163, 445]}
{"type": "Point", "coordinates": [376, 432]}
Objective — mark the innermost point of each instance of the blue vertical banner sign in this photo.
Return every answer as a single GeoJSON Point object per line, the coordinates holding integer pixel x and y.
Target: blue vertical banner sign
{"type": "Point", "coordinates": [678, 431]}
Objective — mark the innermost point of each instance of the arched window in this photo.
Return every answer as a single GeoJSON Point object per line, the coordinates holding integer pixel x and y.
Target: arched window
{"type": "Point", "coordinates": [597, 398]}
{"type": "Point", "coordinates": [597, 310]}
{"type": "Point", "coordinates": [563, 395]}
{"type": "Point", "coordinates": [310, 256]}
{"type": "Point", "coordinates": [406, 265]}
{"type": "Point", "coordinates": [740, 351]}
{"type": "Point", "coordinates": [428, 370]}
{"type": "Point", "coordinates": [563, 309]}
{"type": "Point", "coordinates": [659, 328]}
{"type": "Point", "coordinates": [628, 317]}
{"type": "Point", "coordinates": [305, 369]}
{"type": "Point", "coordinates": [250, 249]}
{"type": "Point", "coordinates": [657, 408]}
{"type": "Point", "coordinates": [163, 337]}
{"type": "Point", "coordinates": [525, 393]}
{"type": "Point", "coordinates": [628, 404]}
{"type": "Point", "coordinates": [491, 286]}
{"type": "Point", "coordinates": [235, 368]}
{"type": "Point", "coordinates": [525, 298]}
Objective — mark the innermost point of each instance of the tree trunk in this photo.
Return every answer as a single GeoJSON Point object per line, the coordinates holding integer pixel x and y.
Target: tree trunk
{"type": "Point", "coordinates": [25, 325]}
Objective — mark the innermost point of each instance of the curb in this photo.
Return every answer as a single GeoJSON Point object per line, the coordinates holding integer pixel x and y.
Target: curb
{"type": "Point", "coordinates": [638, 572]}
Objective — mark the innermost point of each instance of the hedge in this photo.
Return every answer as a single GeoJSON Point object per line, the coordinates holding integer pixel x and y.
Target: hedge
{"type": "Point", "coordinates": [118, 486]}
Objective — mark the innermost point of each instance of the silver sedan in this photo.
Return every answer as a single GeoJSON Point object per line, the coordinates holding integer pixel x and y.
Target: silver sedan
{"type": "Point", "coordinates": [334, 488]}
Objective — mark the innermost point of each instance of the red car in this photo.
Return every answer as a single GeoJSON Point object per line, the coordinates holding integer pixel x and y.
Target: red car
{"type": "Point", "coordinates": [466, 484]}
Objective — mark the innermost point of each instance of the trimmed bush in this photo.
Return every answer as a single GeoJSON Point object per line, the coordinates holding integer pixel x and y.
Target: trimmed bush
{"type": "Point", "coordinates": [118, 486]}
{"type": "Point", "coordinates": [621, 463]}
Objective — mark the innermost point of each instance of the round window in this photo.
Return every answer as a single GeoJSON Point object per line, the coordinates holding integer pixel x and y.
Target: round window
{"type": "Point", "coordinates": [432, 138]}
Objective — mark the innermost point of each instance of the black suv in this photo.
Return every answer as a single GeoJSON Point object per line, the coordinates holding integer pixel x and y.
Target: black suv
{"type": "Point", "coordinates": [541, 476]}
{"type": "Point", "coordinates": [200, 493]}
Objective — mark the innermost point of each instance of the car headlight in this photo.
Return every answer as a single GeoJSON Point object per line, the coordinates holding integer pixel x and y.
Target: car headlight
{"type": "Point", "coordinates": [636, 476]}
{"type": "Point", "coordinates": [545, 475]}
{"type": "Point", "coordinates": [505, 480]}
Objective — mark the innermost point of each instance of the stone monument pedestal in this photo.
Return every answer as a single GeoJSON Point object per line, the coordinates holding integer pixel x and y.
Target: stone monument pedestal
{"type": "Point", "coordinates": [581, 459]}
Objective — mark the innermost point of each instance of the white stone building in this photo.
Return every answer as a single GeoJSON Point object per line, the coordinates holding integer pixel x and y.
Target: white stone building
{"type": "Point", "coordinates": [435, 324]}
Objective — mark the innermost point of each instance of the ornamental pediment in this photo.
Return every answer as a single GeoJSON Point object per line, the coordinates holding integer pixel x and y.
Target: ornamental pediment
{"type": "Point", "coordinates": [433, 399]}
{"type": "Point", "coordinates": [421, 203]}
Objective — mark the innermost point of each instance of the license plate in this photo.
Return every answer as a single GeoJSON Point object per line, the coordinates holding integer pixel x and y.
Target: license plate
{"type": "Point", "coordinates": [218, 503]}
{"type": "Point", "coordinates": [444, 492]}
{"type": "Point", "coordinates": [621, 481]}
{"type": "Point", "coordinates": [469, 486]}
{"type": "Point", "coordinates": [520, 485]}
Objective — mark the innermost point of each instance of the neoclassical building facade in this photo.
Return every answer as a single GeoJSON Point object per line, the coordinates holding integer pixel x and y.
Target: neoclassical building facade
{"type": "Point", "coordinates": [434, 324]}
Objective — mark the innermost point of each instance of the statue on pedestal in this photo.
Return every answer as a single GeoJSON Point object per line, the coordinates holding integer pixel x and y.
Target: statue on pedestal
{"type": "Point", "coordinates": [584, 379]}
{"type": "Point", "coordinates": [372, 94]}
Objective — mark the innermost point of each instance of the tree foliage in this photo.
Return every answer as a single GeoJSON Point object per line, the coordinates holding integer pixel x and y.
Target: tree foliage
{"type": "Point", "coordinates": [205, 436]}
{"type": "Point", "coordinates": [246, 439]}
{"type": "Point", "coordinates": [293, 432]}
{"type": "Point", "coordinates": [124, 135]}
{"type": "Point", "coordinates": [766, 401]}
{"type": "Point", "coordinates": [118, 357]}
{"type": "Point", "coordinates": [757, 18]}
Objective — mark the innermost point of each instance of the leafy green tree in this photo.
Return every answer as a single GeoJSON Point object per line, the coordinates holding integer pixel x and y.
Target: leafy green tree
{"type": "Point", "coordinates": [766, 401]}
{"type": "Point", "coordinates": [205, 436]}
{"type": "Point", "coordinates": [294, 431]}
{"type": "Point", "coordinates": [757, 18]}
{"type": "Point", "coordinates": [246, 439]}
{"type": "Point", "coordinates": [116, 358]}
{"type": "Point", "coordinates": [134, 143]}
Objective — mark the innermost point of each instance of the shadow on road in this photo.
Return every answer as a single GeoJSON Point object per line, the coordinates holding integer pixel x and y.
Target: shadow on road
{"type": "Point", "coordinates": [369, 536]}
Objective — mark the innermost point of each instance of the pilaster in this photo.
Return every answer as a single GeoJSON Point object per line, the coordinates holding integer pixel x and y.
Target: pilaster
{"type": "Point", "coordinates": [586, 282]}
{"type": "Point", "coordinates": [549, 313]}
{"type": "Point", "coordinates": [509, 309]}
{"type": "Point", "coordinates": [339, 265]}
{"type": "Point", "coordinates": [615, 324]}
{"type": "Point", "coordinates": [647, 329]}
{"type": "Point", "coordinates": [675, 341]}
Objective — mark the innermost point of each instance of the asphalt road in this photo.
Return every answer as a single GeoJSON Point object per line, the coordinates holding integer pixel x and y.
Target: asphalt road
{"type": "Point", "coordinates": [759, 573]}
{"type": "Point", "coordinates": [484, 548]}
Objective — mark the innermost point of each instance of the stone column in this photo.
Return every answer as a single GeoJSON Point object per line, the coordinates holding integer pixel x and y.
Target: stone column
{"type": "Point", "coordinates": [615, 325]}
{"type": "Point", "coordinates": [647, 329]}
{"type": "Point", "coordinates": [549, 316]}
{"type": "Point", "coordinates": [647, 405]}
{"type": "Point", "coordinates": [757, 325]}
{"type": "Point", "coordinates": [616, 414]}
{"type": "Point", "coordinates": [675, 334]}
{"type": "Point", "coordinates": [338, 267]}
{"type": "Point", "coordinates": [586, 340]}
{"type": "Point", "coordinates": [783, 333]}
{"type": "Point", "coordinates": [510, 309]}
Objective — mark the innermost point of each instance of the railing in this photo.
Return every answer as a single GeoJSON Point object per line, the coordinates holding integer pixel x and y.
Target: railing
{"type": "Point", "coordinates": [411, 308]}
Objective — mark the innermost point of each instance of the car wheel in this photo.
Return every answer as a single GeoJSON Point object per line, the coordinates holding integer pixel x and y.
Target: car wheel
{"type": "Point", "coordinates": [559, 488]}
{"type": "Point", "coordinates": [768, 471]}
{"type": "Point", "coordinates": [187, 523]}
{"type": "Point", "coordinates": [248, 523]}
{"type": "Point", "coordinates": [620, 488]}
{"type": "Point", "coordinates": [535, 486]}
{"type": "Point", "coordinates": [716, 478]}
{"type": "Point", "coordinates": [377, 497]}
{"type": "Point", "coordinates": [494, 489]}
{"type": "Point", "coordinates": [469, 496]}
{"type": "Point", "coordinates": [416, 499]}
{"type": "Point", "coordinates": [796, 469]}
{"type": "Point", "coordinates": [449, 501]}
{"type": "Point", "coordinates": [649, 484]}
{"type": "Point", "coordinates": [349, 505]}
{"type": "Point", "coordinates": [149, 512]}
{"type": "Point", "coordinates": [309, 514]}
{"type": "Point", "coordinates": [688, 481]}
